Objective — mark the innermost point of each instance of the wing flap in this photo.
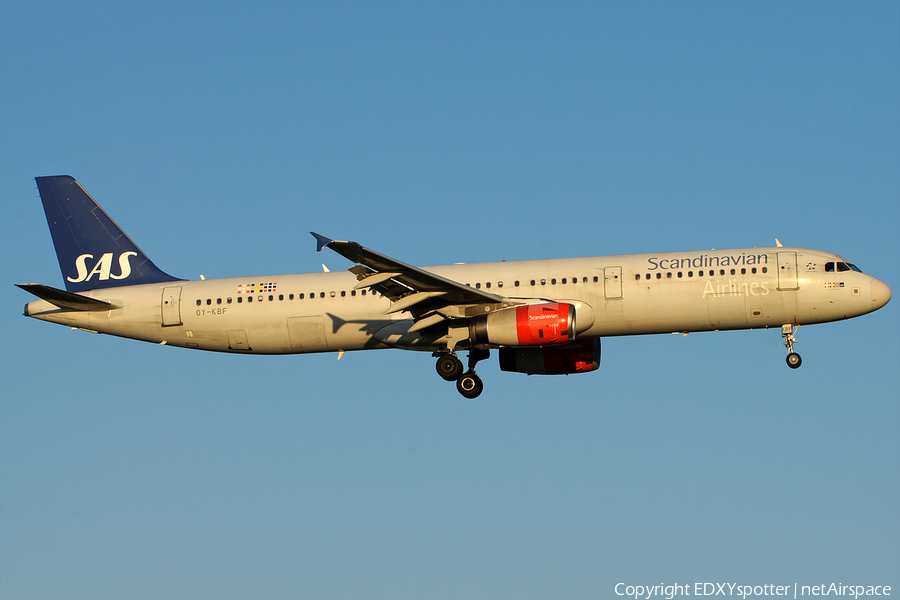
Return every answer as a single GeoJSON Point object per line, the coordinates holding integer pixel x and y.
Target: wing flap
{"type": "Point", "coordinates": [371, 278]}
{"type": "Point", "coordinates": [410, 300]}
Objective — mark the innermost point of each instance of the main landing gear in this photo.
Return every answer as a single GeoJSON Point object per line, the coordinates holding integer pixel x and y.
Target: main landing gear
{"type": "Point", "coordinates": [787, 333]}
{"type": "Point", "coordinates": [450, 368]}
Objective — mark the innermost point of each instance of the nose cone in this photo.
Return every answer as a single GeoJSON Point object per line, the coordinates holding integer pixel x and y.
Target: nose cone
{"type": "Point", "coordinates": [881, 293]}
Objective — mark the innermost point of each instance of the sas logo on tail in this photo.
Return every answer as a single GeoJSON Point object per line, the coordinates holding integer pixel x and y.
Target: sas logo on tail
{"type": "Point", "coordinates": [102, 267]}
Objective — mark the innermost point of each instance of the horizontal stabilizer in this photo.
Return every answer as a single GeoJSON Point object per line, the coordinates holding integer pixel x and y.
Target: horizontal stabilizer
{"type": "Point", "coordinates": [65, 300]}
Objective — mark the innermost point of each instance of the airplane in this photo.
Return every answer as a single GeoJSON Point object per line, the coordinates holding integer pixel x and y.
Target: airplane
{"type": "Point", "coordinates": [542, 316]}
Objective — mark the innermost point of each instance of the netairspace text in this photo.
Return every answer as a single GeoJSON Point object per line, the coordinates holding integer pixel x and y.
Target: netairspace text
{"type": "Point", "coordinates": [669, 591]}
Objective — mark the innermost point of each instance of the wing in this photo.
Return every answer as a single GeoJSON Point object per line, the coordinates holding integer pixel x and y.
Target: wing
{"type": "Point", "coordinates": [428, 297]}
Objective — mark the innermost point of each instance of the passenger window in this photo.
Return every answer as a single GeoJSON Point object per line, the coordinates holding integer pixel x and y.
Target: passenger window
{"type": "Point", "coordinates": [743, 271]}
{"type": "Point", "coordinates": [499, 284]}
{"type": "Point", "coordinates": [669, 275]}
{"type": "Point", "coordinates": [240, 299]}
{"type": "Point", "coordinates": [690, 273]}
{"type": "Point", "coordinates": [516, 283]}
{"type": "Point", "coordinates": [290, 297]}
{"type": "Point", "coordinates": [637, 277]}
{"type": "Point", "coordinates": [488, 284]}
{"type": "Point", "coordinates": [596, 279]}
{"type": "Point", "coordinates": [647, 276]}
{"type": "Point", "coordinates": [271, 298]}
{"type": "Point", "coordinates": [765, 269]}
{"type": "Point", "coordinates": [553, 281]}
{"type": "Point", "coordinates": [477, 286]}
{"type": "Point", "coordinates": [659, 275]}
{"type": "Point", "coordinates": [249, 298]}
{"type": "Point", "coordinates": [321, 294]}
{"type": "Point", "coordinates": [218, 301]}
{"type": "Point", "coordinates": [543, 282]}
{"type": "Point", "coordinates": [680, 274]}
{"type": "Point", "coordinates": [228, 300]}
{"type": "Point", "coordinates": [343, 293]}
{"type": "Point", "coordinates": [563, 281]}
{"type": "Point", "coordinates": [199, 302]}
{"type": "Point", "coordinates": [281, 296]}
{"type": "Point", "coordinates": [753, 270]}
{"type": "Point", "coordinates": [732, 271]}
{"type": "Point", "coordinates": [208, 301]}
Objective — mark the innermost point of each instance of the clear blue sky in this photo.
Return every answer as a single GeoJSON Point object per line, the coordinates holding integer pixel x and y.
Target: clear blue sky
{"type": "Point", "coordinates": [219, 133]}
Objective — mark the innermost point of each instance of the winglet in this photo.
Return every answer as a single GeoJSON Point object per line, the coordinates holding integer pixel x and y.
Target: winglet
{"type": "Point", "coordinates": [321, 241]}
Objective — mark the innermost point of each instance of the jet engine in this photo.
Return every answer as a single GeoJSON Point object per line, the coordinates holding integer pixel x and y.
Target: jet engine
{"type": "Point", "coordinates": [580, 356]}
{"type": "Point", "coordinates": [526, 325]}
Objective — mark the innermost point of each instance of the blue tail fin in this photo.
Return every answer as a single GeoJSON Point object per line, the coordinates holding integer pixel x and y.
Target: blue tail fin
{"type": "Point", "coordinates": [93, 251]}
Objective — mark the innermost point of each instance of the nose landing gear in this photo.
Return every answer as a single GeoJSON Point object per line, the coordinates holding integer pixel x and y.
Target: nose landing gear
{"type": "Point", "coordinates": [788, 332]}
{"type": "Point", "coordinates": [450, 368]}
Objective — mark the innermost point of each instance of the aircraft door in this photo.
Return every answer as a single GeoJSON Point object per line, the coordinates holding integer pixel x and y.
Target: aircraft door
{"type": "Point", "coordinates": [787, 271]}
{"type": "Point", "coordinates": [237, 340]}
{"type": "Point", "coordinates": [307, 333]}
{"type": "Point", "coordinates": [171, 306]}
{"type": "Point", "coordinates": [612, 284]}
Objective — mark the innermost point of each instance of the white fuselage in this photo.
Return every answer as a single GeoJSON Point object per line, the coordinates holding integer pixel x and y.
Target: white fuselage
{"type": "Point", "coordinates": [614, 295]}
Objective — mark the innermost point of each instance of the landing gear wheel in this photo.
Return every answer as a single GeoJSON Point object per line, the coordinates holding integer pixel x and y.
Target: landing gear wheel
{"type": "Point", "coordinates": [469, 385]}
{"type": "Point", "coordinates": [449, 367]}
{"type": "Point", "coordinates": [793, 360]}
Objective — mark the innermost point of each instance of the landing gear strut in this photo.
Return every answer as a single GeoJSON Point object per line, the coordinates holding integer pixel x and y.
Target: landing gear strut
{"type": "Point", "coordinates": [450, 368]}
{"type": "Point", "coordinates": [787, 333]}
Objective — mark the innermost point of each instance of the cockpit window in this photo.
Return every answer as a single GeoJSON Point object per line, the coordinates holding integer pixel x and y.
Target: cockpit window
{"type": "Point", "coordinates": [841, 266]}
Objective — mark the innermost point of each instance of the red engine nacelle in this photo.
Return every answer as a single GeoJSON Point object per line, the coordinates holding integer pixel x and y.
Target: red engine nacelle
{"type": "Point", "coordinates": [580, 356]}
{"type": "Point", "coordinates": [526, 325]}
